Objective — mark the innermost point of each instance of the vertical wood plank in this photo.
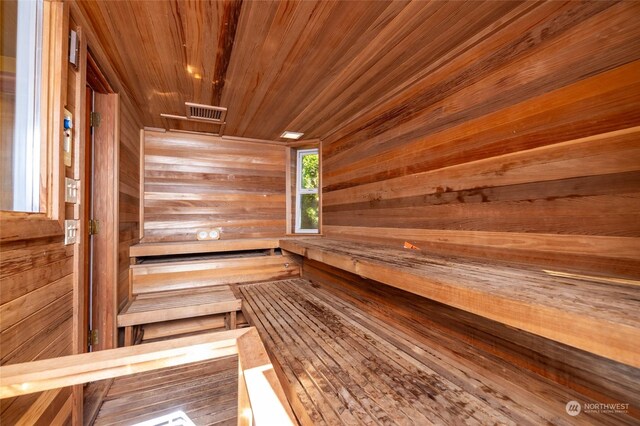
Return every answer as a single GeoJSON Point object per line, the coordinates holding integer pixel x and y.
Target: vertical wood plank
{"type": "Point", "coordinates": [105, 208]}
{"type": "Point", "coordinates": [141, 188]}
{"type": "Point", "coordinates": [288, 195]}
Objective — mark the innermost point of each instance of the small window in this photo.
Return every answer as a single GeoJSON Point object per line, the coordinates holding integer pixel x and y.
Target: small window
{"type": "Point", "coordinates": [307, 198]}
{"type": "Point", "coordinates": [20, 72]}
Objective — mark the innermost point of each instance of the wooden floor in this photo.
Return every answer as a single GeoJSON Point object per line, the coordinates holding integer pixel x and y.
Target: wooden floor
{"type": "Point", "coordinates": [340, 365]}
{"type": "Point", "coordinates": [206, 391]}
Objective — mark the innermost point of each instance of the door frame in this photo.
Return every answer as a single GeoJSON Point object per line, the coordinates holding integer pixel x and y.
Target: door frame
{"type": "Point", "coordinates": [80, 249]}
{"type": "Point", "coordinates": [105, 192]}
{"type": "Point", "coordinates": [87, 176]}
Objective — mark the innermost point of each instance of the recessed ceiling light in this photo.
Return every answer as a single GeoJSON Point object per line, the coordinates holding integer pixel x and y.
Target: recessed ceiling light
{"type": "Point", "coordinates": [291, 135]}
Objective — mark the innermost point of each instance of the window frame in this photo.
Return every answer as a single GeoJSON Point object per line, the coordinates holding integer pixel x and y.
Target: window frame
{"type": "Point", "coordinates": [27, 170]}
{"type": "Point", "coordinates": [304, 191]}
{"type": "Point", "coordinates": [49, 220]}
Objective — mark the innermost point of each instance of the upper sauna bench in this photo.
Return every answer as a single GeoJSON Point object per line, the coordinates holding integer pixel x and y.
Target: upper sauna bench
{"type": "Point", "coordinates": [593, 314]}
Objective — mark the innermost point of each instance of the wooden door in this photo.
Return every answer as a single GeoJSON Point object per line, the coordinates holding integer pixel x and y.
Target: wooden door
{"type": "Point", "coordinates": [105, 213]}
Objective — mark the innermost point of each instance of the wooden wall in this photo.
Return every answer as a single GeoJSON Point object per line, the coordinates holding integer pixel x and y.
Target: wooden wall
{"type": "Point", "coordinates": [36, 268]}
{"type": "Point", "coordinates": [595, 377]}
{"type": "Point", "coordinates": [521, 148]}
{"type": "Point", "coordinates": [194, 182]}
{"type": "Point", "coordinates": [41, 278]}
{"type": "Point", "coordinates": [36, 315]}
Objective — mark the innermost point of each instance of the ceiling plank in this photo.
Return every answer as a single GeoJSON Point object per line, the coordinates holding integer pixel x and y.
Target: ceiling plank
{"type": "Point", "coordinates": [230, 18]}
{"type": "Point", "coordinates": [319, 67]}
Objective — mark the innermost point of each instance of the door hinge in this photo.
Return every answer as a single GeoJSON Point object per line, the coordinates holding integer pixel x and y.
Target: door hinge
{"type": "Point", "coordinates": [94, 227]}
{"type": "Point", "coordinates": [92, 338]}
{"type": "Point", "coordinates": [95, 119]}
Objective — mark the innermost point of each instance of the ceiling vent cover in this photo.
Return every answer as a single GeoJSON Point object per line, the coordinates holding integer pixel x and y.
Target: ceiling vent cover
{"type": "Point", "coordinates": [211, 114]}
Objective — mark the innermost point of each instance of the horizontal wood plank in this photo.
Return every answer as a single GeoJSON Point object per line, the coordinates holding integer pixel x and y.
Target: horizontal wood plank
{"type": "Point", "coordinates": [184, 274]}
{"type": "Point", "coordinates": [183, 326]}
{"type": "Point", "coordinates": [613, 152]}
{"type": "Point", "coordinates": [189, 247]}
{"type": "Point", "coordinates": [607, 256]}
{"type": "Point", "coordinates": [53, 373]}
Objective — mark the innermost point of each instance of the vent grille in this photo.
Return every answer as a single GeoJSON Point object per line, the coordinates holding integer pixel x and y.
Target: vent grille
{"type": "Point", "coordinates": [207, 113]}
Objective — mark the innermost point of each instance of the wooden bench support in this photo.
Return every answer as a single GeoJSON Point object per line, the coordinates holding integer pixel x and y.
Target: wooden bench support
{"type": "Point", "coordinates": [128, 335]}
{"type": "Point", "coordinates": [230, 320]}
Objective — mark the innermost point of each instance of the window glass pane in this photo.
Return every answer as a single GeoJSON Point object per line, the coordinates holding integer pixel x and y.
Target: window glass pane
{"type": "Point", "coordinates": [20, 59]}
{"type": "Point", "coordinates": [309, 211]}
{"type": "Point", "coordinates": [310, 171]}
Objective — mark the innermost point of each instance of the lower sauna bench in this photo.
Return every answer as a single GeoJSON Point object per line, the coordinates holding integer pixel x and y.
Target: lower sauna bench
{"type": "Point", "coordinates": [340, 365]}
{"type": "Point", "coordinates": [160, 307]}
{"type": "Point", "coordinates": [207, 392]}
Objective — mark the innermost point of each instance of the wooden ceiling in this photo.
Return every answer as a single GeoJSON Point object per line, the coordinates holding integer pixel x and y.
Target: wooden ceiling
{"type": "Point", "coordinates": [309, 66]}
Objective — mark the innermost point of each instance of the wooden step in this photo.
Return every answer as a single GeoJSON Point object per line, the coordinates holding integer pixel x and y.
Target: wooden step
{"type": "Point", "coordinates": [172, 305]}
{"type": "Point", "coordinates": [600, 317]}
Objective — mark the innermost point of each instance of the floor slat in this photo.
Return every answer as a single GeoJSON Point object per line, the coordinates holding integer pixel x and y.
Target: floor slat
{"type": "Point", "coordinates": [206, 391]}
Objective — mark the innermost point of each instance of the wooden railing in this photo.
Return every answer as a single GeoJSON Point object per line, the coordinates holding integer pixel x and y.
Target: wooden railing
{"type": "Point", "coordinates": [260, 395]}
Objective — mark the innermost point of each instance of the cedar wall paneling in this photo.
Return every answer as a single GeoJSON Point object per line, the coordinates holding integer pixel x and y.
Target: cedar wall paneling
{"type": "Point", "coordinates": [37, 273]}
{"type": "Point", "coordinates": [194, 182]}
{"type": "Point", "coordinates": [36, 278]}
{"type": "Point", "coordinates": [521, 148]}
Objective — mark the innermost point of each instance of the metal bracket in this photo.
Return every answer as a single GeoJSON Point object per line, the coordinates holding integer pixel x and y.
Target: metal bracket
{"type": "Point", "coordinates": [94, 227]}
{"type": "Point", "coordinates": [92, 338]}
